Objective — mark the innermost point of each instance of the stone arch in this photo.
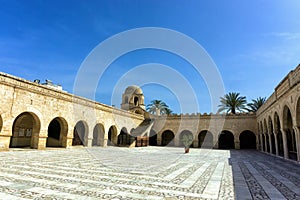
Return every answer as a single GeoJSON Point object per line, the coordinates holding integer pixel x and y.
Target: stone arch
{"type": "Point", "coordinates": [57, 133]}
{"type": "Point", "coordinates": [98, 135]}
{"type": "Point", "coordinates": [136, 101]}
{"type": "Point", "coordinates": [247, 140]}
{"type": "Point", "coordinates": [1, 123]}
{"type": "Point", "coordinates": [277, 130]}
{"type": "Point", "coordinates": [271, 133]}
{"type": "Point", "coordinates": [267, 142]}
{"type": "Point", "coordinates": [167, 138]}
{"type": "Point", "coordinates": [80, 133]}
{"type": "Point", "coordinates": [226, 140]}
{"type": "Point", "coordinates": [290, 133]}
{"type": "Point", "coordinates": [125, 139]}
{"type": "Point", "coordinates": [205, 139]}
{"type": "Point", "coordinates": [262, 137]}
{"type": "Point", "coordinates": [298, 113]}
{"type": "Point", "coordinates": [26, 128]}
{"type": "Point", "coordinates": [153, 138]}
{"type": "Point", "coordinates": [112, 136]}
{"type": "Point", "coordinates": [267, 146]}
{"type": "Point", "coordinates": [185, 132]}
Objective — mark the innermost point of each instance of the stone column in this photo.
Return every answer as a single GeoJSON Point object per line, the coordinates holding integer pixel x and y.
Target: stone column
{"type": "Point", "coordinates": [276, 144]}
{"type": "Point", "coordinates": [196, 143]}
{"type": "Point", "coordinates": [266, 147]}
{"type": "Point", "coordinates": [176, 141]}
{"type": "Point", "coordinates": [103, 141]}
{"type": "Point", "coordinates": [297, 137]}
{"type": "Point", "coordinates": [261, 142]}
{"type": "Point", "coordinates": [88, 139]}
{"type": "Point", "coordinates": [158, 139]}
{"type": "Point", "coordinates": [5, 138]}
{"type": "Point", "coordinates": [270, 143]}
{"type": "Point", "coordinates": [236, 144]}
{"type": "Point", "coordinates": [39, 140]}
{"type": "Point", "coordinates": [285, 147]}
{"type": "Point", "coordinates": [69, 139]}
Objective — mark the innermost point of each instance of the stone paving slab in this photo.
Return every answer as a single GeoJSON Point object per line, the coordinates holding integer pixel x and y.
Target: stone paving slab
{"type": "Point", "coordinates": [146, 173]}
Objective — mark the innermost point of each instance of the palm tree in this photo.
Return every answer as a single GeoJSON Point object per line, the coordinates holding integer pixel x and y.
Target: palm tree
{"type": "Point", "coordinates": [256, 104]}
{"type": "Point", "coordinates": [158, 107]}
{"type": "Point", "coordinates": [232, 102]}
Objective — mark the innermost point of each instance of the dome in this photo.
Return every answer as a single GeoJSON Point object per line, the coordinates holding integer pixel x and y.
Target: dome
{"type": "Point", "coordinates": [133, 89]}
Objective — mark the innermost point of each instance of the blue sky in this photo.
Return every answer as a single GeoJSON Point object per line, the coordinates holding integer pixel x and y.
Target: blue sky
{"type": "Point", "coordinates": [253, 43]}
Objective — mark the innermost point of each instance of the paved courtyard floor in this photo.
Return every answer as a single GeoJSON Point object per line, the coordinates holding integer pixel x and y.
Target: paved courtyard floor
{"type": "Point", "coordinates": [146, 173]}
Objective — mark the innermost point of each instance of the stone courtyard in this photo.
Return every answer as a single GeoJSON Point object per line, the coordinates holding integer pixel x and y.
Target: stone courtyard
{"type": "Point", "coordinates": [146, 173]}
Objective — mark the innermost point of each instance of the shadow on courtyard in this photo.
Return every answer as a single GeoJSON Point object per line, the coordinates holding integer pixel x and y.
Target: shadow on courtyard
{"type": "Point", "coordinates": [258, 175]}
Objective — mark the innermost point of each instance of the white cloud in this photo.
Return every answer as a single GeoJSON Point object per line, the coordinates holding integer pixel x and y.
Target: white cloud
{"type": "Point", "coordinates": [285, 35]}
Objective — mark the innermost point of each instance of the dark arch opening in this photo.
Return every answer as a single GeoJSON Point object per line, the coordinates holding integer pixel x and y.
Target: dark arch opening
{"type": "Point", "coordinates": [112, 136]}
{"type": "Point", "coordinates": [79, 134]}
{"type": "Point", "coordinates": [56, 132]}
{"type": "Point", "coordinates": [247, 140]}
{"type": "Point", "coordinates": [25, 126]}
{"type": "Point", "coordinates": [280, 144]}
{"type": "Point", "coordinates": [273, 144]}
{"type": "Point", "coordinates": [226, 140]}
{"type": "Point", "coordinates": [205, 140]}
{"type": "Point", "coordinates": [136, 101]}
{"type": "Point", "coordinates": [153, 138]}
{"type": "Point", "coordinates": [277, 130]}
{"type": "Point", "coordinates": [268, 143]}
{"type": "Point", "coordinates": [290, 133]}
{"type": "Point", "coordinates": [124, 139]}
{"type": "Point", "coordinates": [167, 138]}
{"type": "Point", "coordinates": [1, 123]}
{"type": "Point", "coordinates": [263, 142]}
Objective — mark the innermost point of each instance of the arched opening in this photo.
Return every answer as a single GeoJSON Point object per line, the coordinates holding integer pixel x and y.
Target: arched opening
{"type": "Point", "coordinates": [226, 140]}
{"type": "Point", "coordinates": [57, 133]}
{"type": "Point", "coordinates": [262, 136]}
{"type": "Point", "coordinates": [290, 134]}
{"type": "Point", "coordinates": [26, 128]}
{"type": "Point", "coordinates": [98, 135]}
{"type": "Point", "coordinates": [272, 138]}
{"type": "Point", "coordinates": [124, 139]}
{"type": "Point", "coordinates": [112, 136]}
{"type": "Point", "coordinates": [247, 140]}
{"type": "Point", "coordinates": [263, 142]}
{"type": "Point", "coordinates": [268, 143]}
{"type": "Point", "coordinates": [278, 134]}
{"type": "Point", "coordinates": [136, 101]}
{"type": "Point", "coordinates": [1, 123]}
{"type": "Point", "coordinates": [298, 113]}
{"type": "Point", "coordinates": [205, 139]}
{"type": "Point", "coordinates": [187, 133]}
{"type": "Point", "coordinates": [80, 134]}
{"type": "Point", "coordinates": [153, 138]}
{"type": "Point", "coordinates": [167, 138]}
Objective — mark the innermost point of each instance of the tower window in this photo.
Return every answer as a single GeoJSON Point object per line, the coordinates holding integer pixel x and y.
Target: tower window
{"type": "Point", "coordinates": [136, 101]}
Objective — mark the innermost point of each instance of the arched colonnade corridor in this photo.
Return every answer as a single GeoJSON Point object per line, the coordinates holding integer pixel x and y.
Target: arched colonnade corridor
{"type": "Point", "coordinates": [26, 131]}
{"type": "Point", "coordinates": [205, 139]}
{"type": "Point", "coordinates": [279, 132]}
